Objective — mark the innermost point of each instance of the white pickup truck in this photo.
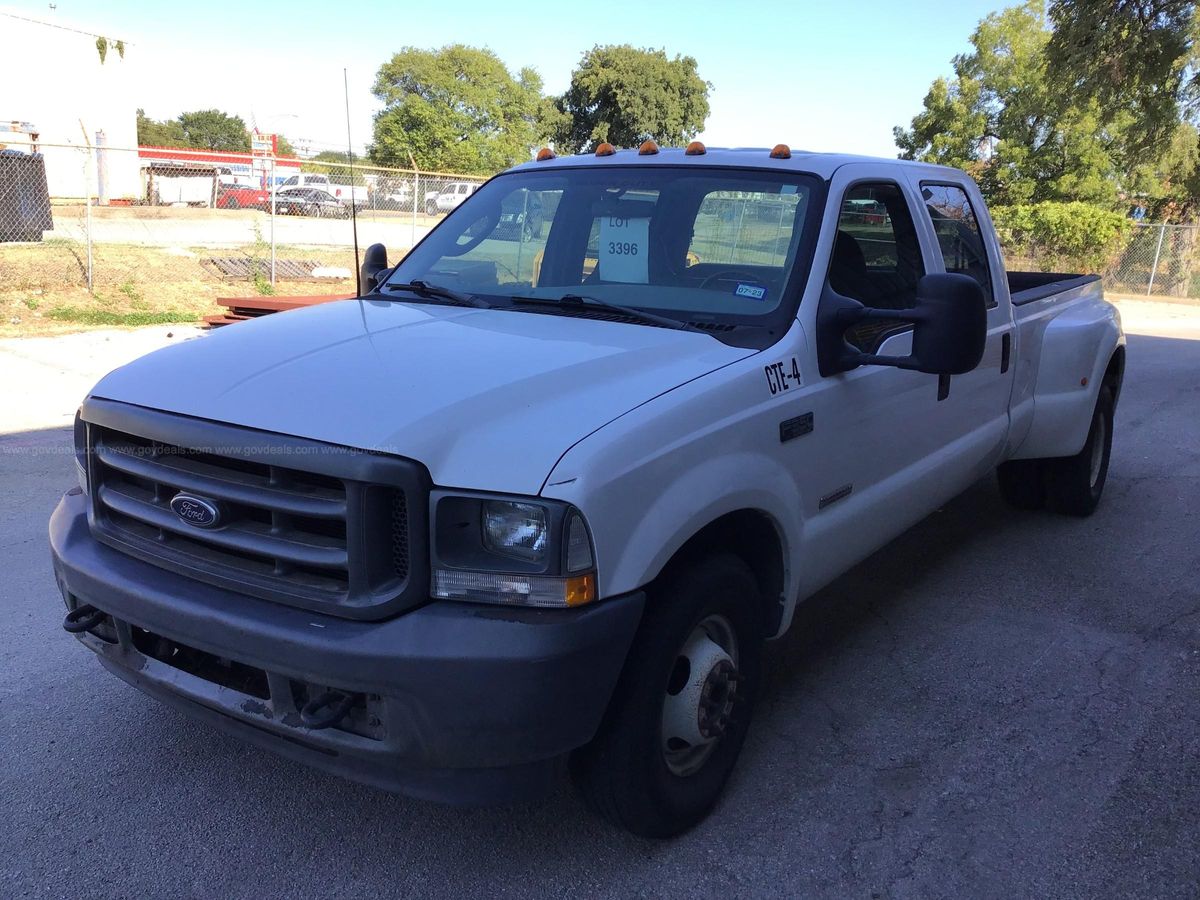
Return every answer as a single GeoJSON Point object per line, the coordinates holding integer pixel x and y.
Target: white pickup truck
{"type": "Point", "coordinates": [527, 503]}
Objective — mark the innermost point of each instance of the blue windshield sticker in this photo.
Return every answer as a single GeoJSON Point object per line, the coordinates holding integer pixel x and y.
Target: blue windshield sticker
{"type": "Point", "coordinates": [751, 291]}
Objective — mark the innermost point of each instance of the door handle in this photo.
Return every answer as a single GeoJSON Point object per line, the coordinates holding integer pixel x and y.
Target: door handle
{"type": "Point", "coordinates": [1005, 351]}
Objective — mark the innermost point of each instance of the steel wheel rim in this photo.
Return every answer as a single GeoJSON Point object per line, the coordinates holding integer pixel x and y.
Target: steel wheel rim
{"type": "Point", "coordinates": [1098, 449]}
{"type": "Point", "coordinates": [709, 677]}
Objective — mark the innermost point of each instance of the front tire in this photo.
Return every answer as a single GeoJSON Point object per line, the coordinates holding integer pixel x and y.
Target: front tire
{"type": "Point", "coordinates": [679, 715]}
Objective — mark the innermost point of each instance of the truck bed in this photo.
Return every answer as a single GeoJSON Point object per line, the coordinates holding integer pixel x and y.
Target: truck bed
{"type": "Point", "coordinates": [1026, 287]}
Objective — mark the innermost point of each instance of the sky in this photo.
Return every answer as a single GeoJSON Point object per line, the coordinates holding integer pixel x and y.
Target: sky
{"type": "Point", "coordinates": [828, 76]}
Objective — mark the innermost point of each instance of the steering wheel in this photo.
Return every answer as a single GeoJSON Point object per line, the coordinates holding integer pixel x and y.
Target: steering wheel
{"type": "Point", "coordinates": [728, 275]}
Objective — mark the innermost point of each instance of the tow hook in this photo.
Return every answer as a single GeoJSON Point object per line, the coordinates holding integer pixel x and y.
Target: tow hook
{"type": "Point", "coordinates": [327, 709]}
{"type": "Point", "coordinates": [83, 618]}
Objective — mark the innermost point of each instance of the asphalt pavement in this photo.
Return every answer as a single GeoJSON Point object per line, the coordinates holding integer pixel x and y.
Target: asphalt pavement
{"type": "Point", "coordinates": [998, 704]}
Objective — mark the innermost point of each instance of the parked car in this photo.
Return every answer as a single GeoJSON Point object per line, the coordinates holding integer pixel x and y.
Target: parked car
{"type": "Point", "coordinates": [485, 521]}
{"type": "Point", "coordinates": [449, 197]}
{"type": "Point", "coordinates": [238, 196]}
{"type": "Point", "coordinates": [309, 202]}
{"type": "Point", "coordinates": [394, 195]}
{"type": "Point", "coordinates": [340, 192]}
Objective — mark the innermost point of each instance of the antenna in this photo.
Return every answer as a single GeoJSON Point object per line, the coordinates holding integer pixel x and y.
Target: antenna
{"type": "Point", "coordinates": [353, 200]}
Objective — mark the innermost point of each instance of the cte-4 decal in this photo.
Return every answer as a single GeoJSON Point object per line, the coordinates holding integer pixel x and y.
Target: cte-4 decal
{"type": "Point", "coordinates": [783, 376]}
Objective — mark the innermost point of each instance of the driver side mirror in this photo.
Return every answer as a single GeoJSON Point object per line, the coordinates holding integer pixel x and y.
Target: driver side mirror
{"type": "Point", "coordinates": [949, 328]}
{"type": "Point", "coordinates": [374, 268]}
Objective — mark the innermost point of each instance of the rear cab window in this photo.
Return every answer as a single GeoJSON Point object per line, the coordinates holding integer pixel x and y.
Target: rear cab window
{"type": "Point", "coordinates": [959, 239]}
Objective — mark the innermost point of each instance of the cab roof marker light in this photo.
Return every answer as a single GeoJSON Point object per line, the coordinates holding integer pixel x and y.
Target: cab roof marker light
{"type": "Point", "coordinates": [544, 154]}
{"type": "Point", "coordinates": [605, 149]}
{"type": "Point", "coordinates": [781, 151]}
{"type": "Point", "coordinates": [695, 148]}
{"type": "Point", "coordinates": [648, 148]}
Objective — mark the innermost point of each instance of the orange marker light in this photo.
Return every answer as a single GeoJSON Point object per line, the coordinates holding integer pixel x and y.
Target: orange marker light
{"type": "Point", "coordinates": [648, 148]}
{"type": "Point", "coordinates": [781, 151]}
{"type": "Point", "coordinates": [695, 148]}
{"type": "Point", "coordinates": [580, 590]}
{"type": "Point", "coordinates": [605, 149]}
{"type": "Point", "coordinates": [544, 154]}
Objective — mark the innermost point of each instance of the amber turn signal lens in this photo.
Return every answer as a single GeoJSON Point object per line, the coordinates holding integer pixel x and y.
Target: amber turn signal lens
{"type": "Point", "coordinates": [605, 149]}
{"type": "Point", "coordinates": [695, 148]}
{"type": "Point", "coordinates": [580, 590]}
{"type": "Point", "coordinates": [544, 154]}
{"type": "Point", "coordinates": [781, 151]}
{"type": "Point", "coordinates": [648, 148]}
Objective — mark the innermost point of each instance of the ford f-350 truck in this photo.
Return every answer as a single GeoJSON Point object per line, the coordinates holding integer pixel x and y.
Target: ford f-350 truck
{"type": "Point", "coordinates": [527, 503]}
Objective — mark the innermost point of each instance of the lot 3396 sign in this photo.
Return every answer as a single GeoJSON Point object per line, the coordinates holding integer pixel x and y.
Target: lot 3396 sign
{"type": "Point", "coordinates": [623, 246]}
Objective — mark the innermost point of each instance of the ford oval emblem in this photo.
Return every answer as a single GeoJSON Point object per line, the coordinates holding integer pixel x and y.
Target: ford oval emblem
{"type": "Point", "coordinates": [196, 510]}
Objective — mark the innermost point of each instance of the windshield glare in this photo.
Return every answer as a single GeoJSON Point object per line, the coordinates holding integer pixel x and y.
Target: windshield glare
{"type": "Point", "coordinates": [682, 241]}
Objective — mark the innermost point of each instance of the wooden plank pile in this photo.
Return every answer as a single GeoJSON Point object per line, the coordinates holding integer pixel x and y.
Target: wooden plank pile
{"type": "Point", "coordinates": [243, 308]}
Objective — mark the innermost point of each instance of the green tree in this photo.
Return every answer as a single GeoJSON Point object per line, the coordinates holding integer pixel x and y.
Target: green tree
{"type": "Point", "coordinates": [456, 109]}
{"type": "Point", "coordinates": [211, 129]}
{"type": "Point", "coordinates": [152, 133]}
{"type": "Point", "coordinates": [283, 147]}
{"type": "Point", "coordinates": [207, 129]}
{"type": "Point", "coordinates": [1134, 57]}
{"type": "Point", "coordinates": [1003, 118]}
{"type": "Point", "coordinates": [624, 95]}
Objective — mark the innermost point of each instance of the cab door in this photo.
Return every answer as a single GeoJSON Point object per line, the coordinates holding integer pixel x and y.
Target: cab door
{"type": "Point", "coordinates": [882, 452]}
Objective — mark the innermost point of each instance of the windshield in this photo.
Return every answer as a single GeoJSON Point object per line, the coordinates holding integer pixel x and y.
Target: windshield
{"type": "Point", "coordinates": [688, 242]}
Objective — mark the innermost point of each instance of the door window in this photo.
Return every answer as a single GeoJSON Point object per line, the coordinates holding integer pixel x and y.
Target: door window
{"type": "Point", "coordinates": [959, 239]}
{"type": "Point", "coordinates": [876, 257]}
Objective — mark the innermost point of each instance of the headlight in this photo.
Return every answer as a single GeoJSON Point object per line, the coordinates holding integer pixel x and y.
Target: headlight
{"type": "Point", "coordinates": [515, 529]}
{"type": "Point", "coordinates": [528, 552]}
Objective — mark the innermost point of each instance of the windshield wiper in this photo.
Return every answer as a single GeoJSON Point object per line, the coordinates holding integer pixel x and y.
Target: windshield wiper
{"type": "Point", "coordinates": [579, 301]}
{"type": "Point", "coordinates": [433, 291]}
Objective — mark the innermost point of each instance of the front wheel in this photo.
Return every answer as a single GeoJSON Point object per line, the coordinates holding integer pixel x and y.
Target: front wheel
{"type": "Point", "coordinates": [431, 208]}
{"type": "Point", "coordinates": [681, 709]}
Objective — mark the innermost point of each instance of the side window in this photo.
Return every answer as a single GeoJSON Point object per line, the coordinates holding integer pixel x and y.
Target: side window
{"type": "Point", "coordinates": [876, 256]}
{"type": "Point", "coordinates": [959, 239]}
{"type": "Point", "coordinates": [290, 182]}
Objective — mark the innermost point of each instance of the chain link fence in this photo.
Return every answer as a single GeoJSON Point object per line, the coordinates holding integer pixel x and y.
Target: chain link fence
{"type": "Point", "coordinates": [96, 235]}
{"type": "Point", "coordinates": [1154, 260]}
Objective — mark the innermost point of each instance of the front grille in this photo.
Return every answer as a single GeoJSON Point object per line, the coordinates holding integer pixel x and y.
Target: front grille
{"type": "Point", "coordinates": [329, 528]}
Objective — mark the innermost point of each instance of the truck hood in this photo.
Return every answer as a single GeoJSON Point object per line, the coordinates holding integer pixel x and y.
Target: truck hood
{"type": "Point", "coordinates": [483, 398]}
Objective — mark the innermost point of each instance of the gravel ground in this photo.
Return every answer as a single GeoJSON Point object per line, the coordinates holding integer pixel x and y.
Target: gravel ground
{"type": "Point", "coordinates": [997, 704]}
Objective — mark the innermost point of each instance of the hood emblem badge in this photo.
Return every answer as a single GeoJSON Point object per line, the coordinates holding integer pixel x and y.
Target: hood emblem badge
{"type": "Point", "coordinates": [196, 510]}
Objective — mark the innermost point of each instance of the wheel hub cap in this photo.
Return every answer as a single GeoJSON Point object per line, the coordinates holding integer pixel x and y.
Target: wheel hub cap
{"type": "Point", "coordinates": [701, 696]}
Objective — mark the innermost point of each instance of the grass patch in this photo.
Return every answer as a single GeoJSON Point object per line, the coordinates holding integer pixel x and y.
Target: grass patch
{"type": "Point", "coordinates": [79, 316]}
{"type": "Point", "coordinates": [44, 290]}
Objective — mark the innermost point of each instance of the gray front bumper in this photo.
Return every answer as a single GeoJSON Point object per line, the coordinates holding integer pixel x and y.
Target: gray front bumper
{"type": "Point", "coordinates": [476, 701]}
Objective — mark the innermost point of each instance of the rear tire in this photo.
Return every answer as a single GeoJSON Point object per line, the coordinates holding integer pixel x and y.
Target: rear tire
{"type": "Point", "coordinates": [1074, 484]}
{"type": "Point", "coordinates": [638, 772]}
